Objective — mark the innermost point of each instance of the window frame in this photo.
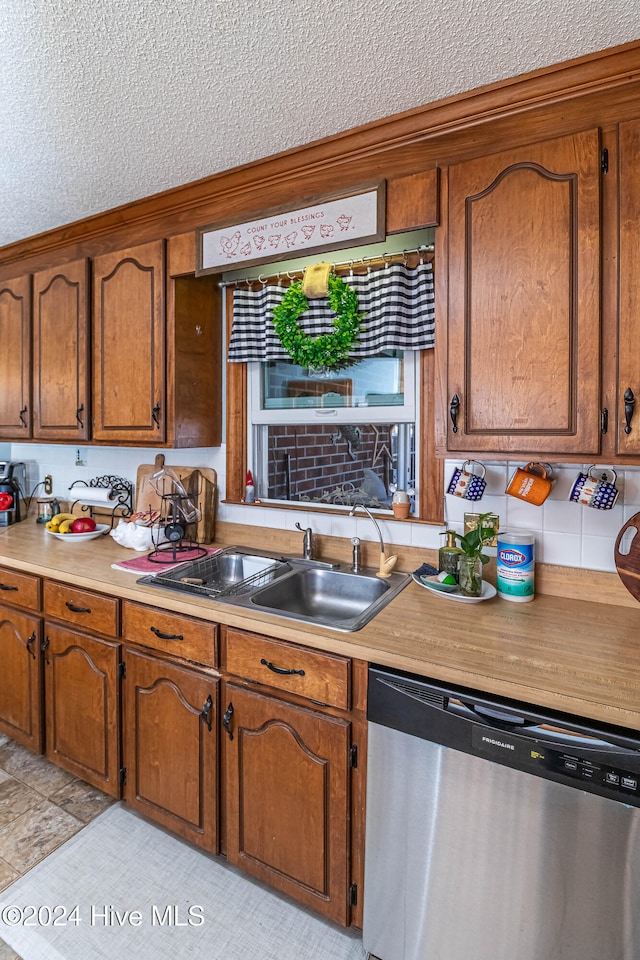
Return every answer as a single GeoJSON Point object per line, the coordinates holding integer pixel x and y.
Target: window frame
{"type": "Point", "coordinates": [431, 467]}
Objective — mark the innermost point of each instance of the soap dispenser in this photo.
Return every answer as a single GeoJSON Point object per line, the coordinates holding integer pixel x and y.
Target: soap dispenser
{"type": "Point", "coordinates": [449, 554]}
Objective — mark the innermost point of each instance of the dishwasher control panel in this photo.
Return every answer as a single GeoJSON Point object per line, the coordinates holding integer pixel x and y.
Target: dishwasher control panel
{"type": "Point", "coordinates": [604, 770]}
{"type": "Point", "coordinates": [611, 777]}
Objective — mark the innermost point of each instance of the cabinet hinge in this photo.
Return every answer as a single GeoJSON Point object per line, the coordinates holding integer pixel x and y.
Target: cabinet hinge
{"type": "Point", "coordinates": [604, 420]}
{"type": "Point", "coordinates": [353, 894]}
{"type": "Point", "coordinates": [122, 670]}
{"type": "Point", "coordinates": [353, 756]}
{"type": "Point", "coordinates": [604, 161]}
{"type": "Point", "coordinates": [123, 776]}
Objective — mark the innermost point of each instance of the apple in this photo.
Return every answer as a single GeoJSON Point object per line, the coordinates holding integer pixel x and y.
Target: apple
{"type": "Point", "coordinates": [83, 525]}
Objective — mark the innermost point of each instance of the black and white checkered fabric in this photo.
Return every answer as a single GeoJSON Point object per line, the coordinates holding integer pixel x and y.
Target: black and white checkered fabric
{"type": "Point", "coordinates": [398, 303]}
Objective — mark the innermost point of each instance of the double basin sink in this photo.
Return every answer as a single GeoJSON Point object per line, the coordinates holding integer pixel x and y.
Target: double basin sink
{"type": "Point", "coordinates": [307, 591]}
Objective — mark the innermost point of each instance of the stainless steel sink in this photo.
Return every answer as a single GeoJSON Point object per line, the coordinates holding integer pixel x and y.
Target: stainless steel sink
{"type": "Point", "coordinates": [307, 591]}
{"type": "Point", "coordinates": [340, 600]}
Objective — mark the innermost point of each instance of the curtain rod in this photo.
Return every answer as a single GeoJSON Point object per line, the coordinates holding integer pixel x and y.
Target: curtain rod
{"type": "Point", "coordinates": [383, 259]}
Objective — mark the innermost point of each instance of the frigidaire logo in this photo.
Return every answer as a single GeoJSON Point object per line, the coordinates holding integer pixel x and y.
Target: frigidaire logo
{"type": "Point", "coordinates": [498, 743]}
{"type": "Point", "coordinates": [511, 557]}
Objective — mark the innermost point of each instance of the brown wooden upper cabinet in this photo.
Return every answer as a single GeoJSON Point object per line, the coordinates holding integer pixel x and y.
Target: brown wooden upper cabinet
{"type": "Point", "coordinates": [128, 345]}
{"type": "Point", "coordinates": [15, 358]}
{"type": "Point", "coordinates": [61, 402]}
{"type": "Point", "coordinates": [523, 263]}
{"type": "Point", "coordinates": [156, 352]}
{"type": "Point", "coordinates": [628, 381]}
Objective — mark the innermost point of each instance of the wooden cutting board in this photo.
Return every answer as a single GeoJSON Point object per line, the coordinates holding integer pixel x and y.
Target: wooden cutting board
{"type": "Point", "coordinates": [628, 564]}
{"type": "Point", "coordinates": [199, 482]}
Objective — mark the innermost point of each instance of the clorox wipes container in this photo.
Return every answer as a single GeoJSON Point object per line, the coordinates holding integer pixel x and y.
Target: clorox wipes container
{"type": "Point", "coordinates": [515, 565]}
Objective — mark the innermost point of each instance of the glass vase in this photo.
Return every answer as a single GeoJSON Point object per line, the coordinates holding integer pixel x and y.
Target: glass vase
{"type": "Point", "coordinates": [470, 576]}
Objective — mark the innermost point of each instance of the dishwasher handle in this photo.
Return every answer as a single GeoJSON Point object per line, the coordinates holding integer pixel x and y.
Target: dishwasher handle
{"type": "Point", "coordinates": [535, 729]}
{"type": "Point", "coordinates": [491, 716]}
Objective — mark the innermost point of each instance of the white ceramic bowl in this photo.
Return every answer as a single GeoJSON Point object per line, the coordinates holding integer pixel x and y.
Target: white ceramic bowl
{"type": "Point", "coordinates": [79, 537]}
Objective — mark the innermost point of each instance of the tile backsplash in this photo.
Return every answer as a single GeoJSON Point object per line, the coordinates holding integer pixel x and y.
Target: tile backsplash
{"type": "Point", "coordinates": [566, 533]}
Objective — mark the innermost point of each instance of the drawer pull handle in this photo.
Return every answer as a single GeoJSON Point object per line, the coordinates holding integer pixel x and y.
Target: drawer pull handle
{"type": "Point", "coordinates": [30, 642]}
{"type": "Point", "coordinates": [205, 713]}
{"type": "Point", "coordinates": [166, 636]}
{"type": "Point", "coordinates": [5, 586]}
{"type": "Point", "coordinates": [71, 606]}
{"type": "Point", "coordinates": [227, 717]}
{"type": "Point", "coordinates": [281, 670]}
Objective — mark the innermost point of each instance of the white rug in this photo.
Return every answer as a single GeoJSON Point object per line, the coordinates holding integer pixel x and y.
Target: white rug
{"type": "Point", "coordinates": [123, 889]}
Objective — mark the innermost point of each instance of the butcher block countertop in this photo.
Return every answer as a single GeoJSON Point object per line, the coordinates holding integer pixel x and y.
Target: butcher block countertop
{"type": "Point", "coordinates": [566, 654]}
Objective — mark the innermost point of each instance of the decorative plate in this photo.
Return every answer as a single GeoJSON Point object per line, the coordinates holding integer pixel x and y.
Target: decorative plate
{"type": "Point", "coordinates": [79, 537]}
{"type": "Point", "coordinates": [488, 591]}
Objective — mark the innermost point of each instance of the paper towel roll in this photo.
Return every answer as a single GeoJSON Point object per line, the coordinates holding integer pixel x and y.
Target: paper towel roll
{"type": "Point", "coordinates": [92, 495]}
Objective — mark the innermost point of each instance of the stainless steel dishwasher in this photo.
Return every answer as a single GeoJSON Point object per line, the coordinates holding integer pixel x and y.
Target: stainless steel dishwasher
{"type": "Point", "coordinates": [496, 831]}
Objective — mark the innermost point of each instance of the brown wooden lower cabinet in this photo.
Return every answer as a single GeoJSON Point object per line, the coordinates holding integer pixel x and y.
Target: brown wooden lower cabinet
{"type": "Point", "coordinates": [82, 705]}
{"type": "Point", "coordinates": [170, 741]}
{"type": "Point", "coordinates": [286, 772]}
{"type": "Point", "coordinates": [20, 678]}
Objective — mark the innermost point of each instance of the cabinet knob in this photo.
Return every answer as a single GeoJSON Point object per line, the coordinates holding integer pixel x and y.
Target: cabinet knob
{"type": "Point", "coordinates": [227, 717]}
{"type": "Point", "coordinates": [30, 642]}
{"type": "Point", "coordinates": [205, 713]}
{"type": "Point", "coordinates": [629, 404]}
{"type": "Point", "coordinates": [22, 416]}
{"type": "Point", "coordinates": [79, 412]}
{"type": "Point", "coordinates": [454, 406]}
{"type": "Point", "coordinates": [155, 414]}
{"type": "Point", "coordinates": [43, 648]}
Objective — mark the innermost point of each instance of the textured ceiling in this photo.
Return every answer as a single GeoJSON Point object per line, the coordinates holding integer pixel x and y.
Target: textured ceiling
{"type": "Point", "coordinates": [104, 103]}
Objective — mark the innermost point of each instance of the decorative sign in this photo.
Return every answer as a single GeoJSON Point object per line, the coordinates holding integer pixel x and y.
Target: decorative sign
{"type": "Point", "coordinates": [332, 223]}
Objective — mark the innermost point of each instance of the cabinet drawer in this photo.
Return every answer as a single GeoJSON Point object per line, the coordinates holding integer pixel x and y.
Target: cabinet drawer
{"type": "Point", "coordinates": [322, 677]}
{"type": "Point", "coordinates": [20, 589]}
{"type": "Point", "coordinates": [171, 633]}
{"type": "Point", "coordinates": [91, 611]}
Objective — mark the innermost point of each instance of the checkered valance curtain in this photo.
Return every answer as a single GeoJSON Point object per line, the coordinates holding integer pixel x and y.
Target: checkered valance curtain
{"type": "Point", "coordinates": [397, 300]}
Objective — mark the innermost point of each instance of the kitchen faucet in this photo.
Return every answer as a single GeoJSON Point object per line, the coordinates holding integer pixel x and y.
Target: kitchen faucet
{"type": "Point", "coordinates": [307, 543]}
{"type": "Point", "coordinates": [386, 563]}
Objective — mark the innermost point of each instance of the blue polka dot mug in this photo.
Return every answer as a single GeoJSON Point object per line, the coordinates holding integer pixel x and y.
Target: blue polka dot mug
{"type": "Point", "coordinates": [597, 492]}
{"type": "Point", "coordinates": [468, 483]}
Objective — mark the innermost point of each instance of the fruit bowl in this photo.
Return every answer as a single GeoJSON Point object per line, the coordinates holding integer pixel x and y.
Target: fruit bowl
{"type": "Point", "coordinates": [79, 537]}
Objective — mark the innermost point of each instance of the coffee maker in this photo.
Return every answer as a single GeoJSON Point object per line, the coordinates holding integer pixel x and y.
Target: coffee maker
{"type": "Point", "coordinates": [13, 486]}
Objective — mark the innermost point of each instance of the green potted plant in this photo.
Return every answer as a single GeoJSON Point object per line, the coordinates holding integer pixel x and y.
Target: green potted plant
{"type": "Point", "coordinates": [472, 558]}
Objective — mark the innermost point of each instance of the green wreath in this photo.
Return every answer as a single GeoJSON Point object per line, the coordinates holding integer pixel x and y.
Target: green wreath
{"type": "Point", "coordinates": [329, 350]}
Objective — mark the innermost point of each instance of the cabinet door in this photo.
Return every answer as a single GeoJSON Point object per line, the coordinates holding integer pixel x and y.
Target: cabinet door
{"type": "Point", "coordinates": [60, 353]}
{"type": "Point", "coordinates": [628, 386]}
{"type": "Point", "coordinates": [82, 706]}
{"type": "Point", "coordinates": [287, 798]}
{"type": "Point", "coordinates": [20, 678]}
{"type": "Point", "coordinates": [523, 355]}
{"type": "Point", "coordinates": [15, 358]}
{"type": "Point", "coordinates": [170, 747]}
{"type": "Point", "coordinates": [128, 345]}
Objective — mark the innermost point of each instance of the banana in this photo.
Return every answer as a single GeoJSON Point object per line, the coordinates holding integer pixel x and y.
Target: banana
{"type": "Point", "coordinates": [65, 526]}
{"type": "Point", "coordinates": [51, 526]}
{"type": "Point", "coordinates": [59, 517]}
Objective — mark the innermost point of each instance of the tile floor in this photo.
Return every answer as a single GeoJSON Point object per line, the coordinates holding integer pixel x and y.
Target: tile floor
{"type": "Point", "coordinates": [41, 806]}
